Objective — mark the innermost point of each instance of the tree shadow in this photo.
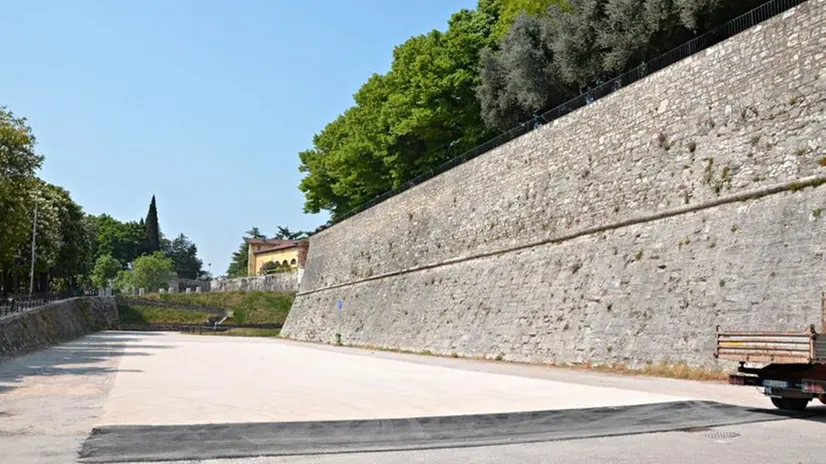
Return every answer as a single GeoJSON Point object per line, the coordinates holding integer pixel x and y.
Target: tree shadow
{"type": "Point", "coordinates": [92, 355]}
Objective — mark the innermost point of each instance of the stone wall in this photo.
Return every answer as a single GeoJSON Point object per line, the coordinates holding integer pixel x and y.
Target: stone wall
{"type": "Point", "coordinates": [55, 323]}
{"type": "Point", "coordinates": [278, 282]}
{"type": "Point", "coordinates": [178, 285]}
{"type": "Point", "coordinates": [623, 232]}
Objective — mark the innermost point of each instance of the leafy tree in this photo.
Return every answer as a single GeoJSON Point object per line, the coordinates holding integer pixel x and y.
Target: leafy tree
{"type": "Point", "coordinates": [68, 243]}
{"type": "Point", "coordinates": [18, 163]}
{"type": "Point", "coordinates": [578, 55]}
{"type": "Point", "coordinates": [509, 10]}
{"type": "Point", "coordinates": [153, 230]}
{"type": "Point", "coordinates": [75, 257]}
{"type": "Point", "coordinates": [420, 114]}
{"type": "Point", "coordinates": [239, 266]}
{"type": "Point", "coordinates": [284, 233]}
{"type": "Point", "coordinates": [105, 271]}
{"type": "Point", "coordinates": [555, 49]}
{"type": "Point", "coordinates": [124, 241]}
{"type": "Point", "coordinates": [520, 81]}
{"type": "Point", "coordinates": [184, 256]}
{"type": "Point", "coordinates": [150, 272]}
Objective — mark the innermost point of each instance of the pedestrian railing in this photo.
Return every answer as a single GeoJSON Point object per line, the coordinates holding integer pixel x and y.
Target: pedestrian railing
{"type": "Point", "coordinates": [11, 304]}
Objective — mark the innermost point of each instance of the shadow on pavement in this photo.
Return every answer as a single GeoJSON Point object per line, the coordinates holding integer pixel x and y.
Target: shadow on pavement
{"type": "Point", "coordinates": [240, 440]}
{"type": "Point", "coordinates": [815, 412]}
{"type": "Point", "coordinates": [96, 354]}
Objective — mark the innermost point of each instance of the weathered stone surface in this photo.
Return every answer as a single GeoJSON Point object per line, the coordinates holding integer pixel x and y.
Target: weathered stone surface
{"type": "Point", "coordinates": [744, 116]}
{"type": "Point", "coordinates": [278, 282]}
{"type": "Point", "coordinates": [55, 323]}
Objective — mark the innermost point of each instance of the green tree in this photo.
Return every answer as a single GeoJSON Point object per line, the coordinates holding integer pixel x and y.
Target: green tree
{"type": "Point", "coordinates": [238, 267]}
{"type": "Point", "coordinates": [75, 257]}
{"type": "Point", "coordinates": [49, 240]}
{"type": "Point", "coordinates": [150, 272]}
{"type": "Point", "coordinates": [124, 241]}
{"type": "Point", "coordinates": [18, 163]}
{"type": "Point", "coordinates": [153, 230]}
{"type": "Point", "coordinates": [184, 256]}
{"type": "Point", "coordinates": [420, 114]}
{"type": "Point", "coordinates": [509, 10]}
{"type": "Point", "coordinates": [105, 271]}
{"type": "Point", "coordinates": [284, 233]}
{"type": "Point", "coordinates": [520, 80]}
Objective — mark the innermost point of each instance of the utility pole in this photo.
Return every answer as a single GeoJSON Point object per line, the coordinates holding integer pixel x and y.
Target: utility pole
{"type": "Point", "coordinates": [34, 239]}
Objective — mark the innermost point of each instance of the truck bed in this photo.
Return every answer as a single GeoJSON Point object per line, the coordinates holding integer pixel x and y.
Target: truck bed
{"type": "Point", "coordinates": [805, 347]}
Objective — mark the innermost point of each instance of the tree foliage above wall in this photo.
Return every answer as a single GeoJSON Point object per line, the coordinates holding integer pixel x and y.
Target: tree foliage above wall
{"type": "Point", "coordinates": [494, 67]}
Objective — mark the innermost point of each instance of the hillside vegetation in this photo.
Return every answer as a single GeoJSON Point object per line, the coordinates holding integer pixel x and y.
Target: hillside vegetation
{"type": "Point", "coordinates": [248, 307]}
{"type": "Point", "coordinates": [141, 314]}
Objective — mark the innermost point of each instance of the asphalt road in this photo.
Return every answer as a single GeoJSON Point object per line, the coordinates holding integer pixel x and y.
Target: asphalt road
{"type": "Point", "coordinates": [152, 397]}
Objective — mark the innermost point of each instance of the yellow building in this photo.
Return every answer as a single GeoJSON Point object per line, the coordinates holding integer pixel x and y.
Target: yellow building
{"type": "Point", "coordinates": [284, 253]}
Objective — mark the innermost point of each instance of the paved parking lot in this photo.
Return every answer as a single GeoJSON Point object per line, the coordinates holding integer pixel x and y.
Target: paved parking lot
{"type": "Point", "coordinates": [189, 397]}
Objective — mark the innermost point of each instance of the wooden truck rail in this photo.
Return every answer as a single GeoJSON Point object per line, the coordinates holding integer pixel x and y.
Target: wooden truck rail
{"type": "Point", "coordinates": [805, 347]}
{"type": "Point", "coordinates": [794, 370]}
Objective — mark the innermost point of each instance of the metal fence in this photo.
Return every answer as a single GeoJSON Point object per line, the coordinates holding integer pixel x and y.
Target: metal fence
{"type": "Point", "coordinates": [11, 304]}
{"type": "Point", "coordinates": [699, 43]}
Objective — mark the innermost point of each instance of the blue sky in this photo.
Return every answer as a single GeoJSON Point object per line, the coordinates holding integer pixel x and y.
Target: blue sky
{"type": "Point", "coordinates": [204, 104]}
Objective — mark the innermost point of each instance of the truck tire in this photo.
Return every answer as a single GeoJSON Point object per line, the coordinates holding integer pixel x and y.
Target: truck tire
{"type": "Point", "coordinates": [790, 404]}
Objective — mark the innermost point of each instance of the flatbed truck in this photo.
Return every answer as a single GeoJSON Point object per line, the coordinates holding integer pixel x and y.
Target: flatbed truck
{"type": "Point", "coordinates": [792, 365]}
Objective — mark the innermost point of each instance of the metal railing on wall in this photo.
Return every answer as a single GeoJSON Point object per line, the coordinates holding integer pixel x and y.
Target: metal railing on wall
{"type": "Point", "coordinates": [725, 31]}
{"type": "Point", "coordinates": [11, 304]}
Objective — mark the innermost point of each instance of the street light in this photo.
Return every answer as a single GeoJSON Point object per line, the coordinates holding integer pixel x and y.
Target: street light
{"type": "Point", "coordinates": [34, 239]}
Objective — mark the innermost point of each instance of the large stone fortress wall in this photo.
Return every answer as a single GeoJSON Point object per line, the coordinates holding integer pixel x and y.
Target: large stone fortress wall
{"type": "Point", "coordinates": [623, 232]}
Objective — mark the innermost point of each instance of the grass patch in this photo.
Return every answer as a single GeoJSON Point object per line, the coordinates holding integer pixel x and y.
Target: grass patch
{"type": "Point", "coordinates": [140, 314]}
{"type": "Point", "coordinates": [672, 371]}
{"type": "Point", "coordinates": [248, 307]}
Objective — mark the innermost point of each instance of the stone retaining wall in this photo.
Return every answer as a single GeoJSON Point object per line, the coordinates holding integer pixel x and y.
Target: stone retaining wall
{"type": "Point", "coordinates": [55, 323]}
{"type": "Point", "coordinates": [623, 232]}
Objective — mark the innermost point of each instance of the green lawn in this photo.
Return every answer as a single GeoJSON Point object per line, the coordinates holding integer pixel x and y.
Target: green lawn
{"type": "Point", "coordinates": [140, 314]}
{"type": "Point", "coordinates": [247, 307]}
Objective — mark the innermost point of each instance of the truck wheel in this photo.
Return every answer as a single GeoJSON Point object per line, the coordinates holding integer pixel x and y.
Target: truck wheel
{"type": "Point", "coordinates": [790, 404]}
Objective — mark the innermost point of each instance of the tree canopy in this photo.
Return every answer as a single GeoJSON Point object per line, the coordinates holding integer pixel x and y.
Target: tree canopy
{"type": "Point", "coordinates": [73, 250]}
{"type": "Point", "coordinates": [491, 69]}
{"type": "Point", "coordinates": [184, 256]}
{"type": "Point", "coordinates": [150, 272]}
{"type": "Point", "coordinates": [238, 266]}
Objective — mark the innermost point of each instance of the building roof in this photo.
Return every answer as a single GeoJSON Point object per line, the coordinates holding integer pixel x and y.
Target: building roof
{"type": "Point", "coordinates": [267, 246]}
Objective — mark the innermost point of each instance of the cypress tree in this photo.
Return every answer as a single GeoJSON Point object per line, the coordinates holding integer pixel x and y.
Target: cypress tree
{"type": "Point", "coordinates": [153, 231]}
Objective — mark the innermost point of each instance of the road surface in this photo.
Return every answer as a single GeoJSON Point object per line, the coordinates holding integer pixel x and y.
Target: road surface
{"type": "Point", "coordinates": [152, 397]}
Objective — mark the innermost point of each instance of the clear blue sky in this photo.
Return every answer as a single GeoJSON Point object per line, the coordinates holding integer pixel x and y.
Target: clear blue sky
{"type": "Point", "coordinates": [203, 103]}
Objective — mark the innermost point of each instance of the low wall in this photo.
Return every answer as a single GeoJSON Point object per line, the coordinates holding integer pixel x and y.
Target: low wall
{"type": "Point", "coordinates": [279, 282]}
{"type": "Point", "coordinates": [55, 323]}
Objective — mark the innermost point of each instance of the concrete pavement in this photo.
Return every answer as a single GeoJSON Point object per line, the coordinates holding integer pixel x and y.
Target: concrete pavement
{"type": "Point", "coordinates": [254, 390]}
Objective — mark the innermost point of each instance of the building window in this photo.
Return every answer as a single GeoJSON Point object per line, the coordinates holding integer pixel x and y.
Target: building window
{"type": "Point", "coordinates": [293, 262]}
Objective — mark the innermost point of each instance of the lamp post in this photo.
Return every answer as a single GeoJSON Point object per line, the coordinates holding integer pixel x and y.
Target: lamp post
{"type": "Point", "coordinates": [34, 240]}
